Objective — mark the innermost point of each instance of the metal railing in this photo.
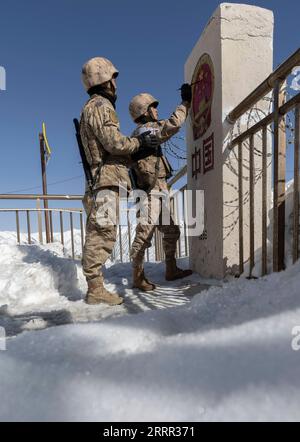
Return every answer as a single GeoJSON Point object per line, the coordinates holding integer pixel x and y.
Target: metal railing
{"type": "Point", "coordinates": [124, 239]}
{"type": "Point", "coordinates": [48, 213]}
{"type": "Point", "coordinates": [277, 117]}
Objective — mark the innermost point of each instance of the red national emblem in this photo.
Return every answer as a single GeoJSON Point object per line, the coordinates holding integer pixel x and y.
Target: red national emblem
{"type": "Point", "coordinates": [208, 154]}
{"type": "Point", "coordinates": [203, 91]}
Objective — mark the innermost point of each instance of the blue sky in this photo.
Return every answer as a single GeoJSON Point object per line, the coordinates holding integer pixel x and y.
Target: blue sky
{"type": "Point", "coordinates": [44, 44]}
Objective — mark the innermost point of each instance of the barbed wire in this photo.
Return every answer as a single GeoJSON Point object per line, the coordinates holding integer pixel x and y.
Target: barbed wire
{"type": "Point", "coordinates": [169, 148]}
{"type": "Point", "coordinates": [245, 122]}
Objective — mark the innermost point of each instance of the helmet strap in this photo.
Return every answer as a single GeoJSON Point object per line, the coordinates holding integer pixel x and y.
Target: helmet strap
{"type": "Point", "coordinates": [112, 88]}
{"type": "Point", "coordinates": [152, 117]}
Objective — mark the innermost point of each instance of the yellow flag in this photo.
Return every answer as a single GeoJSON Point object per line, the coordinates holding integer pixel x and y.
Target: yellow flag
{"type": "Point", "coordinates": [48, 149]}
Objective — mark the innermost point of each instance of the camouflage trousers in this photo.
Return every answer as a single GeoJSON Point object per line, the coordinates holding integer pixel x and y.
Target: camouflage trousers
{"type": "Point", "coordinates": [100, 236]}
{"type": "Point", "coordinates": [144, 232]}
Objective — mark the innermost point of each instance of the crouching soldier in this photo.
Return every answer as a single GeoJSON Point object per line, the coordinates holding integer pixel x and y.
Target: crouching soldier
{"type": "Point", "coordinates": [108, 153]}
{"type": "Point", "coordinates": [152, 169]}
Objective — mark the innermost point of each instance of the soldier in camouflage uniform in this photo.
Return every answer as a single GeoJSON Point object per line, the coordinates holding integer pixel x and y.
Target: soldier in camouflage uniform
{"type": "Point", "coordinates": [152, 170]}
{"type": "Point", "coordinates": [108, 154]}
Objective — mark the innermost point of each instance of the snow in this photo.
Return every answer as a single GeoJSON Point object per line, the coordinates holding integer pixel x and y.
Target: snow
{"type": "Point", "coordinates": [226, 355]}
{"type": "Point", "coordinates": [41, 286]}
{"type": "Point", "coordinates": [194, 350]}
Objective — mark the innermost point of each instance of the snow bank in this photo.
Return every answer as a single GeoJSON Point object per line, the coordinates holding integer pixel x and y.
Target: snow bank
{"type": "Point", "coordinates": [41, 286]}
{"type": "Point", "coordinates": [10, 238]}
{"type": "Point", "coordinates": [32, 276]}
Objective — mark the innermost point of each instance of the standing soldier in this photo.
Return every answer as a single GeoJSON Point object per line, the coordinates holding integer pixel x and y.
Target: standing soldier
{"type": "Point", "coordinates": [152, 170]}
{"type": "Point", "coordinates": [108, 154]}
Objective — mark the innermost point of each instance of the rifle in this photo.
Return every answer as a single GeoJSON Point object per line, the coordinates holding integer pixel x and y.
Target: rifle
{"type": "Point", "coordinates": [86, 166]}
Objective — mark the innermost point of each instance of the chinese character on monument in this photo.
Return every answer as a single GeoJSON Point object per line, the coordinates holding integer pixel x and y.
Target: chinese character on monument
{"type": "Point", "coordinates": [208, 154]}
{"type": "Point", "coordinates": [196, 163]}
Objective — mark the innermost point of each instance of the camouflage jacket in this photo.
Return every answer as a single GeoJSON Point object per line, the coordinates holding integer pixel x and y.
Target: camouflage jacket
{"type": "Point", "coordinates": [165, 129]}
{"type": "Point", "coordinates": [107, 150]}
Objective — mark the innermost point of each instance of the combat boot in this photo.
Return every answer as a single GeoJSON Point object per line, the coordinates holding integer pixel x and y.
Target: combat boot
{"type": "Point", "coordinates": [173, 272]}
{"type": "Point", "coordinates": [140, 281]}
{"type": "Point", "coordinates": [149, 282]}
{"type": "Point", "coordinates": [98, 294]}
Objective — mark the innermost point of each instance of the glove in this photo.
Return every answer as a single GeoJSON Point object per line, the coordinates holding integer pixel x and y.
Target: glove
{"type": "Point", "coordinates": [186, 92]}
{"type": "Point", "coordinates": [148, 140]}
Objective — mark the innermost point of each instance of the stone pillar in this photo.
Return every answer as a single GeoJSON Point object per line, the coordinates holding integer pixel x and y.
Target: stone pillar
{"type": "Point", "coordinates": [232, 57]}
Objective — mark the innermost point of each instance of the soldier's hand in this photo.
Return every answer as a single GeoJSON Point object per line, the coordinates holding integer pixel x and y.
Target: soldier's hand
{"type": "Point", "coordinates": [148, 140]}
{"type": "Point", "coordinates": [186, 92]}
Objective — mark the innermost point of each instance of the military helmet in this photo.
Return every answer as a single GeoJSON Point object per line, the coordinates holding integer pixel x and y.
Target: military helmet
{"type": "Point", "coordinates": [96, 71]}
{"type": "Point", "coordinates": [139, 105]}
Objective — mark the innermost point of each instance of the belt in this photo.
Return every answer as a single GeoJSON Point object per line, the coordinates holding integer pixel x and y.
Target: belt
{"type": "Point", "coordinates": [147, 152]}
